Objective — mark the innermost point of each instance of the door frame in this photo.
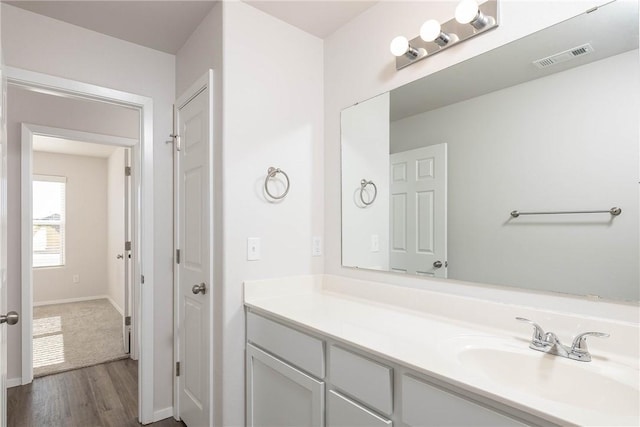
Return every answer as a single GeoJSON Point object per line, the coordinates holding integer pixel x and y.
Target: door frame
{"type": "Point", "coordinates": [203, 83]}
{"type": "Point", "coordinates": [28, 132]}
{"type": "Point", "coordinates": [143, 205]}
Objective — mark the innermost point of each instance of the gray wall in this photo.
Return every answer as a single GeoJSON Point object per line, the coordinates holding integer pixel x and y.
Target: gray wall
{"type": "Point", "coordinates": [564, 142]}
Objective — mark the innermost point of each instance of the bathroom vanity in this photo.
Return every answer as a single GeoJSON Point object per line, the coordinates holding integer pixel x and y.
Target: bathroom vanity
{"type": "Point", "coordinates": [333, 351]}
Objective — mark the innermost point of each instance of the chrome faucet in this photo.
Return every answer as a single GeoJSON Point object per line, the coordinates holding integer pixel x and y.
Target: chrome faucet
{"type": "Point", "coordinates": [548, 342]}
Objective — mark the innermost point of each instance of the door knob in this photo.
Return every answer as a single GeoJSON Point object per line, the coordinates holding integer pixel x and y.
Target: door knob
{"type": "Point", "coordinates": [119, 256]}
{"type": "Point", "coordinates": [201, 288]}
{"type": "Point", "coordinates": [438, 264]}
{"type": "Point", "coordinates": [11, 318]}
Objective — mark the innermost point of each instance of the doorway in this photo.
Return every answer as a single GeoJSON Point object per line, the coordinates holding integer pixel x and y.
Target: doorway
{"type": "Point", "coordinates": [78, 241]}
{"type": "Point", "coordinates": [141, 214]}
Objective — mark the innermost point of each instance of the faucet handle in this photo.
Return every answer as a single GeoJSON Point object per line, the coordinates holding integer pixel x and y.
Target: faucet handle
{"type": "Point", "coordinates": [580, 342]}
{"type": "Point", "coordinates": [538, 332]}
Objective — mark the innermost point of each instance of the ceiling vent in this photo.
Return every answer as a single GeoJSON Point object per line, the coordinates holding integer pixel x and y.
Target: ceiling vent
{"type": "Point", "coordinates": [582, 50]}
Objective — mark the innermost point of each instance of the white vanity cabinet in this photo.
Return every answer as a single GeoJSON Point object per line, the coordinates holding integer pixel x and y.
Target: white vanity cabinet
{"type": "Point", "coordinates": [344, 412]}
{"type": "Point", "coordinates": [294, 378]}
{"type": "Point", "coordinates": [425, 405]}
{"type": "Point", "coordinates": [279, 394]}
{"type": "Point", "coordinates": [284, 371]}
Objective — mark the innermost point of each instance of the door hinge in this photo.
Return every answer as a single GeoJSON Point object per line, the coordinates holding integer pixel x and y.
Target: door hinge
{"type": "Point", "coordinates": [127, 246]}
{"type": "Point", "coordinates": [177, 369]}
{"type": "Point", "coordinates": [176, 139]}
{"type": "Point", "coordinates": [127, 321]}
{"type": "Point", "coordinates": [127, 171]}
{"type": "Point", "coordinates": [177, 256]}
{"type": "Point", "coordinates": [142, 278]}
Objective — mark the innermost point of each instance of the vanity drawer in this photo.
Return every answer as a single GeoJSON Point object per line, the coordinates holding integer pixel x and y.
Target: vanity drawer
{"type": "Point", "coordinates": [426, 405]}
{"type": "Point", "coordinates": [343, 412]}
{"type": "Point", "coordinates": [366, 380]}
{"type": "Point", "coordinates": [301, 350]}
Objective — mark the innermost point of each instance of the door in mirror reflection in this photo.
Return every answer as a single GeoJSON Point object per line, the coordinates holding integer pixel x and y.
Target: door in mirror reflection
{"type": "Point", "coordinates": [418, 211]}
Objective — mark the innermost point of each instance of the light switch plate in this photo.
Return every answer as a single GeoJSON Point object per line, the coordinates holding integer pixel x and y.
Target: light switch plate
{"type": "Point", "coordinates": [375, 243]}
{"type": "Point", "coordinates": [253, 249]}
{"type": "Point", "coordinates": [316, 246]}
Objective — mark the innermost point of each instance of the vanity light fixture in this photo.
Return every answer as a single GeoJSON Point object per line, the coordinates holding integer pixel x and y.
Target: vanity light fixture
{"type": "Point", "coordinates": [471, 19]}
{"type": "Point", "coordinates": [468, 12]}
{"type": "Point", "coordinates": [400, 46]}
{"type": "Point", "coordinates": [431, 31]}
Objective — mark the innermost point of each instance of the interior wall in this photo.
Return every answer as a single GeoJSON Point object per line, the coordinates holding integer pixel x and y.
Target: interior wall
{"type": "Point", "coordinates": [280, 96]}
{"type": "Point", "coordinates": [358, 67]}
{"type": "Point", "coordinates": [273, 116]}
{"type": "Point", "coordinates": [115, 228]}
{"type": "Point", "coordinates": [559, 252]}
{"type": "Point", "coordinates": [365, 155]}
{"type": "Point", "coordinates": [85, 229]}
{"type": "Point", "coordinates": [37, 43]}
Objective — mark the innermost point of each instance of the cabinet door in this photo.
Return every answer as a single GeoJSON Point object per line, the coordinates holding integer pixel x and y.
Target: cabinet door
{"type": "Point", "coordinates": [424, 405]}
{"type": "Point", "coordinates": [344, 412]}
{"type": "Point", "coordinates": [280, 395]}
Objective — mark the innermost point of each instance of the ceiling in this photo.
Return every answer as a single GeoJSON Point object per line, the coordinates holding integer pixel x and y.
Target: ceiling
{"type": "Point", "coordinates": [152, 24]}
{"type": "Point", "coordinates": [167, 25]}
{"type": "Point", "coordinates": [320, 18]}
{"type": "Point", "coordinates": [49, 144]}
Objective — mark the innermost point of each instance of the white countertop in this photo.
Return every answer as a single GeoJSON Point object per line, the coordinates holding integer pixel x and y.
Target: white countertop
{"type": "Point", "coordinates": [426, 331]}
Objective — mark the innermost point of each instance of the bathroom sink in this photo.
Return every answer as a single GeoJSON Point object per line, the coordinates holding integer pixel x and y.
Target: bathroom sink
{"type": "Point", "coordinates": [599, 386]}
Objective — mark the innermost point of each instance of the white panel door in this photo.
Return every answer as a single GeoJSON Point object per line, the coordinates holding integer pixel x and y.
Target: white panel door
{"type": "Point", "coordinates": [3, 246]}
{"type": "Point", "coordinates": [418, 211]}
{"type": "Point", "coordinates": [126, 274]}
{"type": "Point", "coordinates": [194, 270]}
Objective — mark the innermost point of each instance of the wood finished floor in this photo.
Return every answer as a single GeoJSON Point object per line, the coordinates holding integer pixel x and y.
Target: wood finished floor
{"type": "Point", "coordinates": [104, 395]}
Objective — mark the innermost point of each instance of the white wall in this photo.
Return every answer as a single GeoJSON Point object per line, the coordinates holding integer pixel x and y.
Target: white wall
{"type": "Point", "coordinates": [270, 90]}
{"type": "Point", "coordinates": [115, 228]}
{"type": "Point", "coordinates": [358, 66]}
{"type": "Point", "coordinates": [365, 155]}
{"type": "Point", "coordinates": [273, 102]}
{"type": "Point", "coordinates": [533, 155]}
{"type": "Point", "coordinates": [42, 44]}
{"type": "Point", "coordinates": [85, 229]}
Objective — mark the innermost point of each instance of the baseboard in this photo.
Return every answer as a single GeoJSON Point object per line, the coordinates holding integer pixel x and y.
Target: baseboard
{"type": "Point", "coordinates": [116, 306]}
{"type": "Point", "coordinates": [14, 382]}
{"type": "Point", "coordinates": [163, 414]}
{"type": "Point", "coordinates": [63, 301]}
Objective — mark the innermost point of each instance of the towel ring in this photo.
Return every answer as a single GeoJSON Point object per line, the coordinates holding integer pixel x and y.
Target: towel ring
{"type": "Point", "coordinates": [271, 173]}
{"type": "Point", "coordinates": [363, 184]}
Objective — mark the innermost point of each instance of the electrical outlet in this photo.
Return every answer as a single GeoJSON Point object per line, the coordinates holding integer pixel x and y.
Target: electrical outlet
{"type": "Point", "coordinates": [316, 246]}
{"type": "Point", "coordinates": [76, 278]}
{"type": "Point", "coordinates": [375, 243]}
{"type": "Point", "coordinates": [253, 249]}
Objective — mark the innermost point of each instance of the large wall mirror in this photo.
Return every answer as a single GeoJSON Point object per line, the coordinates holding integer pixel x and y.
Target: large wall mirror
{"type": "Point", "coordinates": [432, 171]}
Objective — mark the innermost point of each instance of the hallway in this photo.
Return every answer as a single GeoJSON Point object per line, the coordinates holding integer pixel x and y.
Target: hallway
{"type": "Point", "coordinates": [97, 396]}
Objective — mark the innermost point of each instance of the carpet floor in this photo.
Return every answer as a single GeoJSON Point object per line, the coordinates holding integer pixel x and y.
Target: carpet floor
{"type": "Point", "coordinates": [75, 335]}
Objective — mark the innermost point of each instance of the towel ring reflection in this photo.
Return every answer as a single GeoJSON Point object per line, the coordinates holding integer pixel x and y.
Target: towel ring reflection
{"type": "Point", "coordinates": [271, 173]}
{"type": "Point", "coordinates": [363, 184]}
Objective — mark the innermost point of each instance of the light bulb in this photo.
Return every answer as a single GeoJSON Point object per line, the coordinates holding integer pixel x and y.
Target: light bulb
{"type": "Point", "coordinates": [399, 46]}
{"type": "Point", "coordinates": [430, 30]}
{"type": "Point", "coordinates": [466, 11]}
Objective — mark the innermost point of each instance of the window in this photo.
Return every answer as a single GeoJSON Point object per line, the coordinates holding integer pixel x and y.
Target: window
{"type": "Point", "coordinates": [48, 220]}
